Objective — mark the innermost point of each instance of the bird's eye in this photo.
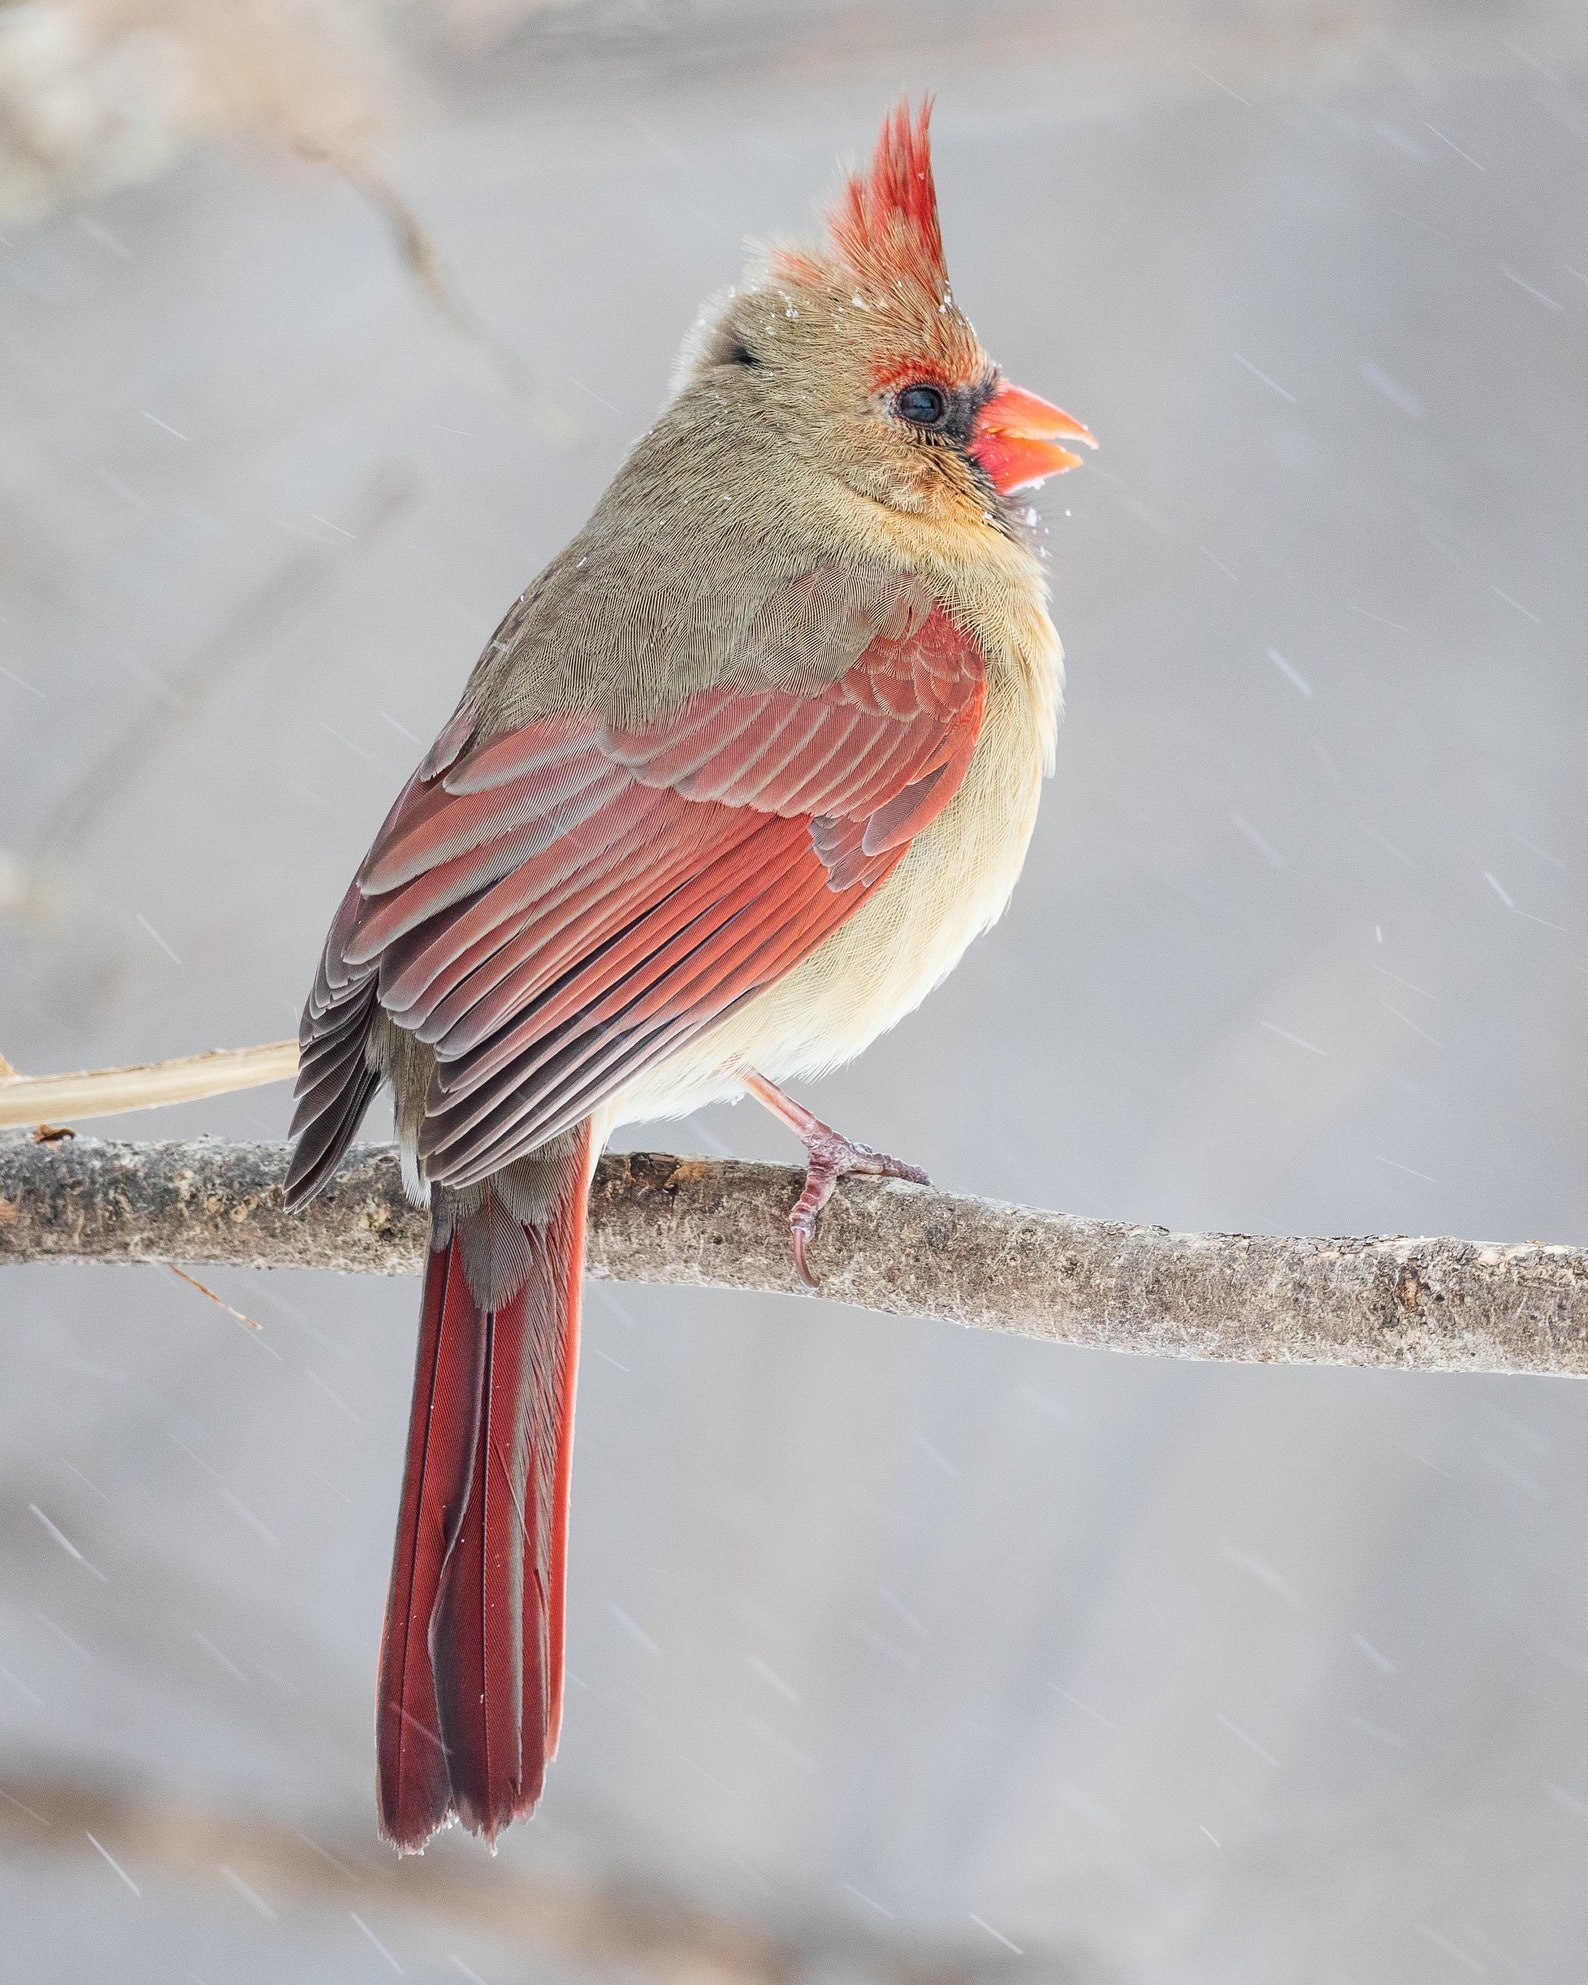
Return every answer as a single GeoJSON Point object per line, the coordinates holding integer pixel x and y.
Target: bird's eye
{"type": "Point", "coordinates": [921, 406]}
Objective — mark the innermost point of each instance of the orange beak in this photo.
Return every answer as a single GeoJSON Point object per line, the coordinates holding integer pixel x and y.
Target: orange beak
{"type": "Point", "coordinates": [1017, 439]}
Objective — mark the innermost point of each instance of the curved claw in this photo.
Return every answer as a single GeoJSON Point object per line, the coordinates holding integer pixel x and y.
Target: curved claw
{"type": "Point", "coordinates": [805, 1275]}
{"type": "Point", "coordinates": [830, 1156]}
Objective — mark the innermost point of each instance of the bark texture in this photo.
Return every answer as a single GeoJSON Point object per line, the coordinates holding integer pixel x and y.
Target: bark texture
{"type": "Point", "coordinates": [1427, 1305]}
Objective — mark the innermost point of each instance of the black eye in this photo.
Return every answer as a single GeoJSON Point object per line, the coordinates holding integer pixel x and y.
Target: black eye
{"type": "Point", "coordinates": [921, 406]}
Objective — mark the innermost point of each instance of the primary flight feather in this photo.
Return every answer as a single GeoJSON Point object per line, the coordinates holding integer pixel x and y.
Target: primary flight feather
{"type": "Point", "coordinates": [737, 780]}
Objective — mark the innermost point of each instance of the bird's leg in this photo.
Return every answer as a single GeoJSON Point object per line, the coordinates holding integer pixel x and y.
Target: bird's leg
{"type": "Point", "coordinates": [829, 1156]}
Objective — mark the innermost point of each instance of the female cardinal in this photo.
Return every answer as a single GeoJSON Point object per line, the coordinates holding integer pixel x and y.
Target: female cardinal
{"type": "Point", "coordinates": [736, 782]}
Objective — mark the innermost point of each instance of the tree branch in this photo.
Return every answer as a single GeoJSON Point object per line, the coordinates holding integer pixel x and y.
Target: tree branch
{"type": "Point", "coordinates": [108, 1092]}
{"type": "Point", "coordinates": [1426, 1305]}
{"type": "Point", "coordinates": [606, 1922]}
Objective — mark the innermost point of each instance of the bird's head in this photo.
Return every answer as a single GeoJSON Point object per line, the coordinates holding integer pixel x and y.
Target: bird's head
{"type": "Point", "coordinates": [853, 356]}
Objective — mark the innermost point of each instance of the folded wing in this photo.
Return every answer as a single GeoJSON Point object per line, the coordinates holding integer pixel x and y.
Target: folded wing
{"type": "Point", "coordinates": [554, 907]}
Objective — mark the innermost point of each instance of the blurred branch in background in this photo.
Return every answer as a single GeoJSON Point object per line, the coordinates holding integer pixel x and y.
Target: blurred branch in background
{"type": "Point", "coordinates": [99, 94]}
{"type": "Point", "coordinates": [1427, 1305]}
{"type": "Point", "coordinates": [96, 94]}
{"type": "Point", "coordinates": [498, 362]}
{"type": "Point", "coordinates": [590, 1925]}
{"type": "Point", "coordinates": [41, 886]}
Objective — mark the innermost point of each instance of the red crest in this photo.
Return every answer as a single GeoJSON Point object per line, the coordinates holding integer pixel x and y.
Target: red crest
{"type": "Point", "coordinates": [884, 226]}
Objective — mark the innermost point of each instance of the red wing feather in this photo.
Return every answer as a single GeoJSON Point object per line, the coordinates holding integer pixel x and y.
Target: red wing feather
{"type": "Point", "coordinates": [554, 907]}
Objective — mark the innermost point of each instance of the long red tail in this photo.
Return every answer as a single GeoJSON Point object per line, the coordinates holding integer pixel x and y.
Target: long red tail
{"type": "Point", "coordinates": [470, 1694]}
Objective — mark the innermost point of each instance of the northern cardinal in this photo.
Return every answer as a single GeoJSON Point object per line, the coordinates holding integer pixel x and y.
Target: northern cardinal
{"type": "Point", "coordinates": [736, 782]}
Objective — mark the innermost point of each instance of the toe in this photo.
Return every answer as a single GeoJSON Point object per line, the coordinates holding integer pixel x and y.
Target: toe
{"type": "Point", "coordinates": [800, 1238]}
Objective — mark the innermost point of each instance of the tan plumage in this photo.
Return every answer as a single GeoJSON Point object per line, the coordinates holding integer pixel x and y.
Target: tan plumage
{"type": "Point", "coordinates": [915, 926]}
{"type": "Point", "coordinates": [739, 778]}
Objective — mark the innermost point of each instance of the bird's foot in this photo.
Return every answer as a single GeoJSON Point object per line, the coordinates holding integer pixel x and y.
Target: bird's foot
{"type": "Point", "coordinates": [830, 1157]}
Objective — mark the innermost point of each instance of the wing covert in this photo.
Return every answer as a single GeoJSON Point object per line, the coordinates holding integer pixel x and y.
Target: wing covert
{"type": "Point", "coordinates": [556, 906]}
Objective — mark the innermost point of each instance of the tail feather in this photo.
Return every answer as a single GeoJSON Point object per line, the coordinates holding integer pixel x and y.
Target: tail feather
{"type": "Point", "coordinates": [490, 1690]}
{"type": "Point", "coordinates": [471, 1667]}
{"type": "Point", "coordinates": [415, 1787]}
{"type": "Point", "coordinates": [553, 1587]}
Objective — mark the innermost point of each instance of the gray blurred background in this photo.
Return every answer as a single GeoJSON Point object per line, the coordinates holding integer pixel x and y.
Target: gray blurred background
{"type": "Point", "coordinates": [899, 1653]}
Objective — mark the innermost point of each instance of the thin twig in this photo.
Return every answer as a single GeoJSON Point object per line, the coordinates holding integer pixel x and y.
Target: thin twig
{"type": "Point", "coordinates": [500, 364]}
{"type": "Point", "coordinates": [108, 1092]}
{"type": "Point", "coordinates": [204, 1289]}
{"type": "Point", "coordinates": [1429, 1305]}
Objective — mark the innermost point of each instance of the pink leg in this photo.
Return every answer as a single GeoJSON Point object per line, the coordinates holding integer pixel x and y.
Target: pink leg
{"type": "Point", "coordinates": [830, 1156]}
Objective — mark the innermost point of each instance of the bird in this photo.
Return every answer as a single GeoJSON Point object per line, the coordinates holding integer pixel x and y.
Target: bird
{"type": "Point", "coordinates": [734, 785]}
